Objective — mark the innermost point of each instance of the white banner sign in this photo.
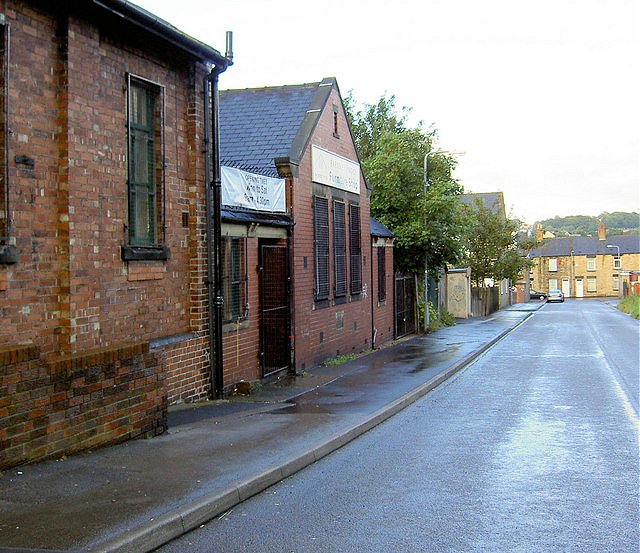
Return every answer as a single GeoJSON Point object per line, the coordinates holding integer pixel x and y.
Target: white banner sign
{"type": "Point", "coordinates": [334, 170]}
{"type": "Point", "coordinates": [251, 191]}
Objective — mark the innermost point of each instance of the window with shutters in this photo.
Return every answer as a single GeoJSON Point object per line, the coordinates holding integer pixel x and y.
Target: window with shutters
{"type": "Point", "coordinates": [321, 249]}
{"type": "Point", "coordinates": [382, 274]}
{"type": "Point", "coordinates": [145, 163]}
{"type": "Point", "coordinates": [234, 279]}
{"type": "Point", "coordinates": [355, 250]}
{"type": "Point", "coordinates": [339, 250]}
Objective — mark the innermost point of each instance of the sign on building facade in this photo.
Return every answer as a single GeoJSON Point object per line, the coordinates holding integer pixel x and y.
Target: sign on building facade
{"type": "Point", "coordinates": [334, 170]}
{"type": "Point", "coordinates": [251, 191]}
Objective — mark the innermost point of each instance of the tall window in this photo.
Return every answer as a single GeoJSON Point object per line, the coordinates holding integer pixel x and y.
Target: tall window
{"type": "Point", "coordinates": [553, 264]}
{"type": "Point", "coordinates": [591, 284]}
{"type": "Point", "coordinates": [616, 283]}
{"type": "Point", "coordinates": [4, 127]}
{"type": "Point", "coordinates": [616, 262]}
{"type": "Point", "coordinates": [382, 274]}
{"type": "Point", "coordinates": [355, 250]}
{"type": "Point", "coordinates": [146, 170]}
{"type": "Point", "coordinates": [233, 278]}
{"type": "Point", "coordinates": [339, 250]}
{"type": "Point", "coordinates": [553, 284]}
{"type": "Point", "coordinates": [321, 248]}
{"type": "Point", "coordinates": [591, 263]}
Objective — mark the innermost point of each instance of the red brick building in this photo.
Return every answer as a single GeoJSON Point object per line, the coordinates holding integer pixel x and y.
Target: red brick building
{"type": "Point", "coordinates": [332, 287]}
{"type": "Point", "coordinates": [103, 295]}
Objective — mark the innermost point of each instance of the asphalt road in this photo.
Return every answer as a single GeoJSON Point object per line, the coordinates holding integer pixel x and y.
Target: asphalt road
{"type": "Point", "coordinates": [532, 448]}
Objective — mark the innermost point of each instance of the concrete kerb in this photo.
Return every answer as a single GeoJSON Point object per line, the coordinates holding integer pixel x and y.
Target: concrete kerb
{"type": "Point", "coordinates": [164, 529]}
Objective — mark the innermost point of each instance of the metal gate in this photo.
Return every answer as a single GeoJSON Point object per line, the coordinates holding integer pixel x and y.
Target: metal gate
{"type": "Point", "coordinates": [405, 307]}
{"type": "Point", "coordinates": [274, 309]}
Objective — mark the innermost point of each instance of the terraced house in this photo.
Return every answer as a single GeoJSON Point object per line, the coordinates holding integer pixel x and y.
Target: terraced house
{"type": "Point", "coordinates": [587, 266]}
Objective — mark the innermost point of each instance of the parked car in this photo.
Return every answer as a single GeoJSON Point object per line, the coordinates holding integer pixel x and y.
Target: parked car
{"type": "Point", "coordinates": [555, 295]}
{"type": "Point", "coordinates": [537, 295]}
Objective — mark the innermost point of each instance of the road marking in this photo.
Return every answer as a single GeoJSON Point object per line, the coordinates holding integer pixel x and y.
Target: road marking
{"type": "Point", "coordinates": [628, 407]}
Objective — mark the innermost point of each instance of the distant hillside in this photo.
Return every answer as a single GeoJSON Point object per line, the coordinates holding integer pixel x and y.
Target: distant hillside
{"type": "Point", "coordinates": [618, 222]}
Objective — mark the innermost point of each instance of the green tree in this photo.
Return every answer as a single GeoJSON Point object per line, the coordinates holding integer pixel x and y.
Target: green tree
{"type": "Point", "coordinates": [424, 218]}
{"type": "Point", "coordinates": [492, 247]}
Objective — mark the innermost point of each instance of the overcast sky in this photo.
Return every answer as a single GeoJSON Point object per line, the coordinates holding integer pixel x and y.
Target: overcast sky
{"type": "Point", "coordinates": [543, 97]}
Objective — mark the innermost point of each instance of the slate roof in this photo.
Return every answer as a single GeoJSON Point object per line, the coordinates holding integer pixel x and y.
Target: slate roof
{"type": "Point", "coordinates": [491, 200]}
{"type": "Point", "coordinates": [259, 125]}
{"type": "Point", "coordinates": [587, 245]}
{"type": "Point", "coordinates": [378, 229]}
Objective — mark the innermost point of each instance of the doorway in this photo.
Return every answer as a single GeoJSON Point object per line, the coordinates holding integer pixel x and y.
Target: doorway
{"type": "Point", "coordinates": [274, 308]}
{"type": "Point", "coordinates": [579, 288]}
{"type": "Point", "coordinates": [566, 289]}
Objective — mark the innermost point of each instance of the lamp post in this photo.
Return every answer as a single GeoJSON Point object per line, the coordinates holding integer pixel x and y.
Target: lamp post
{"type": "Point", "coordinates": [426, 263]}
{"type": "Point", "coordinates": [616, 247]}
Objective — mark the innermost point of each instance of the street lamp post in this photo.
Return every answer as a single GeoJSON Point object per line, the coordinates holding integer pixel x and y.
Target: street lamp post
{"type": "Point", "coordinates": [426, 263]}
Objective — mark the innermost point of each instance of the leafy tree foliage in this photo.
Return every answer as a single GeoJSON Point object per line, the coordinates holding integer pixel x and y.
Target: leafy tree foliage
{"type": "Point", "coordinates": [618, 222]}
{"type": "Point", "coordinates": [424, 219]}
{"type": "Point", "coordinates": [492, 246]}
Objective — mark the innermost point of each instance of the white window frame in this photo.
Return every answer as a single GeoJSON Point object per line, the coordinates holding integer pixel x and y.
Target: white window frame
{"type": "Point", "coordinates": [592, 284]}
{"type": "Point", "coordinates": [591, 263]}
{"type": "Point", "coordinates": [553, 264]}
{"type": "Point", "coordinates": [617, 262]}
{"type": "Point", "coordinates": [553, 284]}
{"type": "Point", "coordinates": [616, 283]}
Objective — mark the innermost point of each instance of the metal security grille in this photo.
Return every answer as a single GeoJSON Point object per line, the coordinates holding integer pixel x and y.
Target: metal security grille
{"type": "Point", "coordinates": [274, 308]}
{"type": "Point", "coordinates": [405, 304]}
{"type": "Point", "coordinates": [321, 247]}
{"type": "Point", "coordinates": [233, 278]}
{"type": "Point", "coordinates": [355, 250]}
{"type": "Point", "coordinates": [339, 249]}
{"type": "Point", "coordinates": [382, 274]}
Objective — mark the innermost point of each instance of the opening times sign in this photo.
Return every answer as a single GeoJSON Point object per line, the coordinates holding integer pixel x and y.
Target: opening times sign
{"type": "Point", "coordinates": [251, 191]}
{"type": "Point", "coordinates": [334, 170]}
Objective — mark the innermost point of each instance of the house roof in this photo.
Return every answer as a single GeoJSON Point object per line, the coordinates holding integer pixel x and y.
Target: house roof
{"type": "Point", "coordinates": [260, 126]}
{"type": "Point", "coordinates": [587, 245]}
{"type": "Point", "coordinates": [490, 200]}
{"type": "Point", "coordinates": [124, 10]}
{"type": "Point", "coordinates": [378, 229]}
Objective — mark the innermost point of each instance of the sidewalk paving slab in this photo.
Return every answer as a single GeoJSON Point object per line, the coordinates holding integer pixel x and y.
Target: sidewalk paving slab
{"type": "Point", "coordinates": [140, 494]}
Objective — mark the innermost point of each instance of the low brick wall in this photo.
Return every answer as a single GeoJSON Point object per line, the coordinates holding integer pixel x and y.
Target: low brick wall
{"type": "Point", "coordinates": [50, 408]}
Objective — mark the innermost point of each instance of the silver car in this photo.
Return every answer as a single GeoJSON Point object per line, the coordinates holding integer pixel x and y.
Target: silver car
{"type": "Point", "coordinates": [555, 295]}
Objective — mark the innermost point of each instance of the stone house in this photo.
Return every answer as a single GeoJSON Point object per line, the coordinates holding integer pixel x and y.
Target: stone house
{"type": "Point", "coordinates": [586, 266]}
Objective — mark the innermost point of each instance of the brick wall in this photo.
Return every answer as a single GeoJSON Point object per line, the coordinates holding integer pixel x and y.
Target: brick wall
{"type": "Point", "coordinates": [383, 316]}
{"type": "Point", "coordinates": [72, 403]}
{"type": "Point", "coordinates": [323, 332]}
{"type": "Point", "coordinates": [70, 291]}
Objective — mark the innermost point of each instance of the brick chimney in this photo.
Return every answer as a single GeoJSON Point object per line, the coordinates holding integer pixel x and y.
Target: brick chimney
{"type": "Point", "coordinates": [602, 232]}
{"type": "Point", "coordinates": [539, 232]}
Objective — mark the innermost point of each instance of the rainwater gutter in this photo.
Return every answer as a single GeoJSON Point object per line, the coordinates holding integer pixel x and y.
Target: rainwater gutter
{"type": "Point", "coordinates": [213, 197]}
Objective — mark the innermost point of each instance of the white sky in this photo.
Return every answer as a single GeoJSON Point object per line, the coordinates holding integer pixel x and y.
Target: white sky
{"type": "Point", "coordinates": [543, 97]}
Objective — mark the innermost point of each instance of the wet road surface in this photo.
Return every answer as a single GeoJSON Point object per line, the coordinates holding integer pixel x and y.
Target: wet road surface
{"type": "Point", "coordinates": [533, 447]}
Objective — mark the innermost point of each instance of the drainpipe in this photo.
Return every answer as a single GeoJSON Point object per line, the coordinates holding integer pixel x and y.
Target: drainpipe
{"type": "Point", "coordinates": [214, 219]}
{"type": "Point", "coordinates": [375, 290]}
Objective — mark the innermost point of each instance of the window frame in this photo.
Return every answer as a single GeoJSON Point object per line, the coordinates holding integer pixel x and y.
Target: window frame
{"type": "Point", "coordinates": [553, 264]}
{"type": "Point", "coordinates": [617, 262]}
{"type": "Point", "coordinates": [234, 278]}
{"type": "Point", "coordinates": [321, 263]}
{"type": "Point", "coordinates": [591, 263]}
{"type": "Point", "coordinates": [382, 274]}
{"type": "Point", "coordinates": [339, 251]}
{"type": "Point", "coordinates": [148, 246]}
{"type": "Point", "coordinates": [616, 283]}
{"type": "Point", "coordinates": [355, 250]}
{"type": "Point", "coordinates": [555, 287]}
{"type": "Point", "coordinates": [592, 279]}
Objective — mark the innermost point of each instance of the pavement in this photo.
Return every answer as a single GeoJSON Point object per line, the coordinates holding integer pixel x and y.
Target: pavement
{"type": "Point", "coordinates": [136, 496]}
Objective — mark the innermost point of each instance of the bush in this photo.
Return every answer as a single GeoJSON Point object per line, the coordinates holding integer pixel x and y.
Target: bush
{"type": "Point", "coordinates": [630, 305]}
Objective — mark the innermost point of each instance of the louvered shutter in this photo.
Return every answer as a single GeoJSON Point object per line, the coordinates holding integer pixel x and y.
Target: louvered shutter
{"type": "Point", "coordinates": [321, 247]}
{"type": "Point", "coordinates": [355, 250]}
{"type": "Point", "coordinates": [339, 249]}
